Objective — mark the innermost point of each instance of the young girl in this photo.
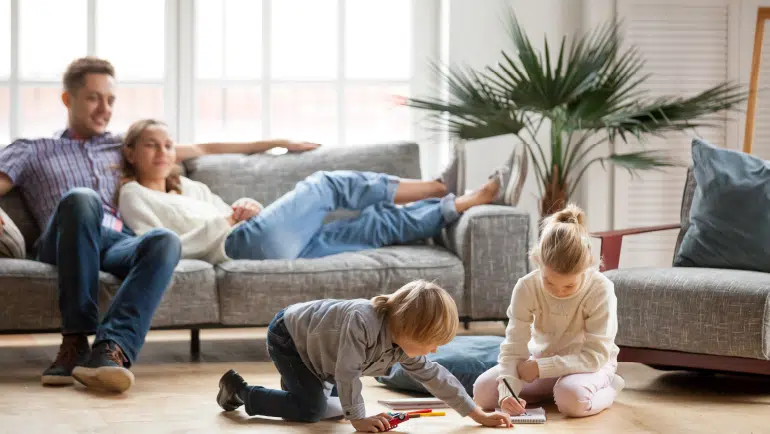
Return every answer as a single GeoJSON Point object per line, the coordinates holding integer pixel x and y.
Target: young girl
{"type": "Point", "coordinates": [319, 343]}
{"type": "Point", "coordinates": [560, 339]}
{"type": "Point", "coordinates": [153, 195]}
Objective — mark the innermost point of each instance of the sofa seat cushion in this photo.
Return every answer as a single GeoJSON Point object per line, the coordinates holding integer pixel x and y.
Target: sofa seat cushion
{"type": "Point", "coordinates": [252, 292]}
{"type": "Point", "coordinates": [191, 298]}
{"type": "Point", "coordinates": [29, 296]}
{"type": "Point", "coordinates": [696, 310]}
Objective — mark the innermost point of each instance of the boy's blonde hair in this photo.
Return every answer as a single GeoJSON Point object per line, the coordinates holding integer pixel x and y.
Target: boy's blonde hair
{"type": "Point", "coordinates": [421, 312]}
{"type": "Point", "coordinates": [564, 246]}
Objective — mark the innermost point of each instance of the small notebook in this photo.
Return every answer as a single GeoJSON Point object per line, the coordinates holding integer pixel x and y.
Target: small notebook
{"type": "Point", "coordinates": [413, 403]}
{"type": "Point", "coordinates": [534, 415]}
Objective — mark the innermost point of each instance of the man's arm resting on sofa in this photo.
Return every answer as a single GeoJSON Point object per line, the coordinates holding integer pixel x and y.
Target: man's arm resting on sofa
{"type": "Point", "coordinates": [187, 151]}
{"type": "Point", "coordinates": [493, 242]}
{"type": "Point", "coordinates": [612, 242]}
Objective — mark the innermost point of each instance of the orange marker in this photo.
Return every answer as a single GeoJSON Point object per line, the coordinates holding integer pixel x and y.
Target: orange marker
{"type": "Point", "coordinates": [427, 410]}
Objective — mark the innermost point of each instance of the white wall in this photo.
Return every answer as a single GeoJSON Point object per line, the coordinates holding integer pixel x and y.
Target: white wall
{"type": "Point", "coordinates": [476, 35]}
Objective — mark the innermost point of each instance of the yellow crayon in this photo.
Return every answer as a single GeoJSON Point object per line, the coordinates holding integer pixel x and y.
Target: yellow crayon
{"type": "Point", "coordinates": [434, 413]}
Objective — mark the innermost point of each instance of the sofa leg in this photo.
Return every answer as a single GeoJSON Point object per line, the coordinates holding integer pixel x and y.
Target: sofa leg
{"type": "Point", "coordinates": [467, 324]}
{"type": "Point", "coordinates": [195, 344]}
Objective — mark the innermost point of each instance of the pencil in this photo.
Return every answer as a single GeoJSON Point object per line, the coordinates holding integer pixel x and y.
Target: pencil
{"type": "Point", "coordinates": [514, 394]}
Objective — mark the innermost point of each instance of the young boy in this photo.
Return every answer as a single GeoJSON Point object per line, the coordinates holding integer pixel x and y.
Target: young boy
{"type": "Point", "coordinates": [338, 341]}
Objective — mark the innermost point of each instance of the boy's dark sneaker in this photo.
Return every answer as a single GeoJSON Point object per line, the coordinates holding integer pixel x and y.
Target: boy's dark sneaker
{"type": "Point", "coordinates": [230, 386]}
{"type": "Point", "coordinates": [105, 369]}
{"type": "Point", "coordinates": [74, 350]}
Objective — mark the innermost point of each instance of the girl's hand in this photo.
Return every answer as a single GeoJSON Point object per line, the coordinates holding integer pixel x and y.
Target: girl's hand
{"type": "Point", "coordinates": [372, 424]}
{"type": "Point", "coordinates": [490, 419]}
{"type": "Point", "coordinates": [528, 371]}
{"type": "Point", "coordinates": [510, 406]}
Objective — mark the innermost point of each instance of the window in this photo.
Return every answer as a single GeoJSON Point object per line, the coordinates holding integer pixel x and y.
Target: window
{"type": "Point", "coordinates": [49, 34]}
{"type": "Point", "coordinates": [138, 55]}
{"type": "Point", "coordinates": [321, 70]}
{"type": "Point", "coordinates": [5, 71]}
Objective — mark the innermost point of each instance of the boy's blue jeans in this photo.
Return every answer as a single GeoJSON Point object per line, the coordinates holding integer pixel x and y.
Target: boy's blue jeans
{"type": "Point", "coordinates": [304, 399]}
{"type": "Point", "coordinates": [293, 226]}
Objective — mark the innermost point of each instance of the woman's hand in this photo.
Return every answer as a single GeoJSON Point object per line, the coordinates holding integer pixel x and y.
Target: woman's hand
{"type": "Point", "coordinates": [244, 209]}
{"type": "Point", "coordinates": [528, 371]}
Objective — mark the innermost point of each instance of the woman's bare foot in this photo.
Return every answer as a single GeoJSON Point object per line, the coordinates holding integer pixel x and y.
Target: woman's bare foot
{"type": "Point", "coordinates": [483, 196]}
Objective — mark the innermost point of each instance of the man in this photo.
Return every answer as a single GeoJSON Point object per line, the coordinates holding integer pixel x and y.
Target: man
{"type": "Point", "coordinates": [69, 182]}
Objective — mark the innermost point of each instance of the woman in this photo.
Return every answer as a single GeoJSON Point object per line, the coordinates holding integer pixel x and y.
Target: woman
{"type": "Point", "coordinates": [154, 195]}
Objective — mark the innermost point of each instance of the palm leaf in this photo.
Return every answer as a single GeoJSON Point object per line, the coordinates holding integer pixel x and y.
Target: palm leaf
{"type": "Point", "coordinates": [642, 160]}
{"type": "Point", "coordinates": [633, 162]}
{"type": "Point", "coordinates": [674, 113]}
{"type": "Point", "coordinates": [591, 87]}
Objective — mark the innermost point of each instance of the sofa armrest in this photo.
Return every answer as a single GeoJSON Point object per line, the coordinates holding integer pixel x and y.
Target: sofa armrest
{"type": "Point", "coordinates": [612, 241]}
{"type": "Point", "coordinates": [493, 243]}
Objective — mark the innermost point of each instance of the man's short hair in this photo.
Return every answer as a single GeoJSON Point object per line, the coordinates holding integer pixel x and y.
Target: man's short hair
{"type": "Point", "coordinates": [75, 75]}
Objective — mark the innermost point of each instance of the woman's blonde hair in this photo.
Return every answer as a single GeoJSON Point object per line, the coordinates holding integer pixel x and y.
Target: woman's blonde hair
{"type": "Point", "coordinates": [128, 171]}
{"type": "Point", "coordinates": [421, 312]}
{"type": "Point", "coordinates": [564, 246]}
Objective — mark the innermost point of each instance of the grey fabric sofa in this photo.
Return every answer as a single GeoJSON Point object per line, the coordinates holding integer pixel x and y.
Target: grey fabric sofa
{"type": "Point", "coordinates": [478, 260]}
{"type": "Point", "coordinates": [695, 318]}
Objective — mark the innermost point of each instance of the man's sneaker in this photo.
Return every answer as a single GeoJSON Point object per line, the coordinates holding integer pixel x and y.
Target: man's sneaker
{"type": "Point", "coordinates": [105, 369]}
{"type": "Point", "coordinates": [74, 350]}
{"type": "Point", "coordinates": [230, 386]}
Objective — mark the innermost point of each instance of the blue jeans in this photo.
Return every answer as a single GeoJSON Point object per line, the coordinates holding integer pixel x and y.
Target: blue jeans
{"type": "Point", "coordinates": [304, 399]}
{"type": "Point", "coordinates": [293, 226]}
{"type": "Point", "coordinates": [77, 243]}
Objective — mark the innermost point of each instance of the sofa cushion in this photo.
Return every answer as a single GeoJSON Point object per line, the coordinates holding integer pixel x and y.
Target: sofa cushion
{"type": "Point", "coordinates": [11, 241]}
{"type": "Point", "coordinates": [252, 292]}
{"type": "Point", "coordinates": [684, 212]}
{"type": "Point", "coordinates": [13, 204]}
{"type": "Point", "coordinates": [466, 357]}
{"type": "Point", "coordinates": [191, 298]}
{"type": "Point", "coordinates": [29, 296]}
{"type": "Point", "coordinates": [729, 219]}
{"type": "Point", "coordinates": [696, 310]}
{"type": "Point", "coordinates": [265, 177]}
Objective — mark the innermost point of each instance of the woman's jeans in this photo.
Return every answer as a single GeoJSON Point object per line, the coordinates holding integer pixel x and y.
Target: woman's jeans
{"type": "Point", "coordinates": [293, 226]}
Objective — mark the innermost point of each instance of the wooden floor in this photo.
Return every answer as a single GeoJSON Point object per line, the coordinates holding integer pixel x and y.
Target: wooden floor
{"type": "Point", "coordinates": [174, 395]}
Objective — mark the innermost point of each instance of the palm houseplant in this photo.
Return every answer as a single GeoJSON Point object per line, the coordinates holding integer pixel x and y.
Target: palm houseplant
{"type": "Point", "coordinates": [591, 93]}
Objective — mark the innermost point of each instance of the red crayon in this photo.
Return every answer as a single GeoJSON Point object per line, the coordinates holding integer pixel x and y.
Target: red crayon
{"type": "Point", "coordinates": [398, 418]}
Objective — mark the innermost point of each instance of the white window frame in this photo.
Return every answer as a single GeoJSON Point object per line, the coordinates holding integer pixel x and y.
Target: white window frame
{"type": "Point", "coordinates": [15, 83]}
{"type": "Point", "coordinates": [425, 24]}
{"type": "Point", "coordinates": [179, 81]}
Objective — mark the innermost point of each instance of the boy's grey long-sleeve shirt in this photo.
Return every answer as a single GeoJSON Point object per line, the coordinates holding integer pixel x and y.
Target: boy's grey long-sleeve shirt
{"type": "Point", "coordinates": [342, 340]}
